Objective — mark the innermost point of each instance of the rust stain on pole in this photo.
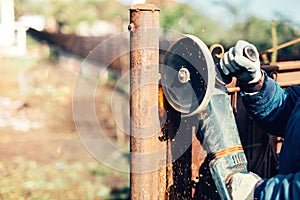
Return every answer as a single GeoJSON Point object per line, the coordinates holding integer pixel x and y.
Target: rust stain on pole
{"type": "Point", "coordinates": [148, 153]}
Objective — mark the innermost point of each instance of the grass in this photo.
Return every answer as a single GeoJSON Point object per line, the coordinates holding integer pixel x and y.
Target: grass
{"type": "Point", "coordinates": [49, 163]}
{"type": "Point", "coordinates": [28, 179]}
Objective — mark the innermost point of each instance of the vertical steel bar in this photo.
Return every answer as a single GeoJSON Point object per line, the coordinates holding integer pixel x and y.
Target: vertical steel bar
{"type": "Point", "coordinates": [147, 179]}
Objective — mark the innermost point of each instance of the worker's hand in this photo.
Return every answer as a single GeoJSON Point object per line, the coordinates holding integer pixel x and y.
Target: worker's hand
{"type": "Point", "coordinates": [242, 61]}
{"type": "Point", "coordinates": [242, 186]}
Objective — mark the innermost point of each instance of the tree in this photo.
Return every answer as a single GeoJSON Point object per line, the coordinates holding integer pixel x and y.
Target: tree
{"type": "Point", "coordinates": [182, 18]}
{"type": "Point", "coordinates": [69, 13]}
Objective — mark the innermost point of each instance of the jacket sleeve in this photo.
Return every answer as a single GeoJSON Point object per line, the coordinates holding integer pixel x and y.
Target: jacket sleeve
{"type": "Point", "coordinates": [272, 106]}
{"type": "Point", "coordinates": [279, 187]}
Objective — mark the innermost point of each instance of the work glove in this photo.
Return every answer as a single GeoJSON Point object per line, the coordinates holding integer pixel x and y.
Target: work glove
{"type": "Point", "coordinates": [242, 186]}
{"type": "Point", "coordinates": [242, 61]}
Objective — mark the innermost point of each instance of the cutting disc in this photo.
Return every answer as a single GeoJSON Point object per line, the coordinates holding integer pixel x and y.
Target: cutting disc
{"type": "Point", "coordinates": [188, 75]}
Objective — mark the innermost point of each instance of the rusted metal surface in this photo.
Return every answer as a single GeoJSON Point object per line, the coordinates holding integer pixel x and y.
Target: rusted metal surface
{"type": "Point", "coordinates": [287, 65]}
{"type": "Point", "coordinates": [285, 73]}
{"type": "Point", "coordinates": [287, 79]}
{"type": "Point", "coordinates": [148, 153]}
{"type": "Point", "coordinates": [179, 134]}
{"type": "Point", "coordinates": [82, 46]}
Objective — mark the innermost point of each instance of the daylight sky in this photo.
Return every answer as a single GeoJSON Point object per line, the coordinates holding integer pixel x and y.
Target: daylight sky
{"type": "Point", "coordinates": [266, 9]}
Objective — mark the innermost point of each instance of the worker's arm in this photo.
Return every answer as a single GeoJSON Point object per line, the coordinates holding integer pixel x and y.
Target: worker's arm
{"type": "Point", "coordinates": [250, 186]}
{"type": "Point", "coordinates": [271, 106]}
{"type": "Point", "coordinates": [279, 187]}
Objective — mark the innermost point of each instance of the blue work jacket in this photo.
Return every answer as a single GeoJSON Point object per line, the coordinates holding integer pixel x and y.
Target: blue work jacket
{"type": "Point", "coordinates": [278, 111]}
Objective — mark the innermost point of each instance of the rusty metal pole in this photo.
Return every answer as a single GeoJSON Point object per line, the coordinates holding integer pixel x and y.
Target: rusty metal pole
{"type": "Point", "coordinates": [147, 178]}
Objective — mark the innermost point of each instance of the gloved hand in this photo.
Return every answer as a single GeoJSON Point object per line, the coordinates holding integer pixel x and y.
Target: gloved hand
{"type": "Point", "coordinates": [242, 186]}
{"type": "Point", "coordinates": [236, 62]}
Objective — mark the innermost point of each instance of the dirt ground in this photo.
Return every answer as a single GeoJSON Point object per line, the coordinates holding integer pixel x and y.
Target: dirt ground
{"type": "Point", "coordinates": [41, 155]}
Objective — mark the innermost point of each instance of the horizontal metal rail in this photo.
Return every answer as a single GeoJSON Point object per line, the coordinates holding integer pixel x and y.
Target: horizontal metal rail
{"type": "Point", "coordinates": [294, 41]}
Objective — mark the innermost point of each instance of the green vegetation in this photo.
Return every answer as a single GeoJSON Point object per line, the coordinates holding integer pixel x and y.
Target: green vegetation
{"type": "Point", "coordinates": [28, 179]}
{"type": "Point", "coordinates": [182, 18]}
{"type": "Point", "coordinates": [70, 13]}
{"type": "Point", "coordinates": [259, 32]}
{"type": "Point", "coordinates": [177, 16]}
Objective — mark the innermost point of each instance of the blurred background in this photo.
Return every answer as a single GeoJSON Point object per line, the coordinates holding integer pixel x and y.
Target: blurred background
{"type": "Point", "coordinates": [42, 46]}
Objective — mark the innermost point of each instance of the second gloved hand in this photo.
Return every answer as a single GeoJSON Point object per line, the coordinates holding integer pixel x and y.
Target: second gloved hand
{"type": "Point", "coordinates": [242, 186]}
{"type": "Point", "coordinates": [236, 63]}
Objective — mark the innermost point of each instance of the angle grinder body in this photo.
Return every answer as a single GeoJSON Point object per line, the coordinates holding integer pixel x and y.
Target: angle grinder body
{"type": "Point", "coordinates": [193, 85]}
